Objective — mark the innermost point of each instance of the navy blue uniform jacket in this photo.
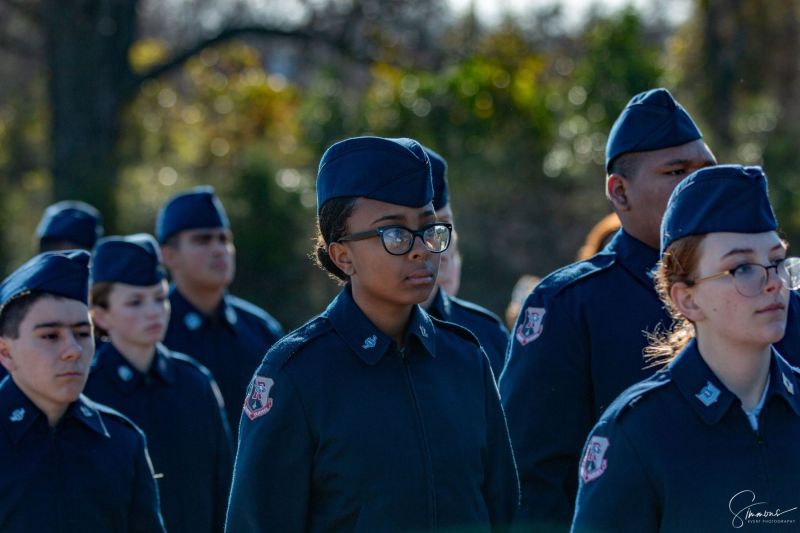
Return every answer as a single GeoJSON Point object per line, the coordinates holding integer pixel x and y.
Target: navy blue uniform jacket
{"type": "Point", "coordinates": [577, 344]}
{"type": "Point", "coordinates": [91, 473]}
{"type": "Point", "coordinates": [178, 406]}
{"type": "Point", "coordinates": [484, 324]}
{"type": "Point", "coordinates": [676, 453]}
{"type": "Point", "coordinates": [231, 344]}
{"type": "Point", "coordinates": [342, 431]}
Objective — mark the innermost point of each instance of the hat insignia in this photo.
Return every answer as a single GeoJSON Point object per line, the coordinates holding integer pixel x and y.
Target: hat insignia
{"type": "Point", "coordinates": [708, 395]}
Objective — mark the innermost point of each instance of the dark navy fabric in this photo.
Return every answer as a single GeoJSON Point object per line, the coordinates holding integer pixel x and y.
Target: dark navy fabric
{"type": "Point", "coordinates": [397, 171]}
{"type": "Point", "coordinates": [652, 120]}
{"type": "Point", "coordinates": [441, 192]}
{"type": "Point", "coordinates": [230, 343]}
{"type": "Point", "coordinates": [64, 274]}
{"type": "Point", "coordinates": [729, 198]}
{"type": "Point", "coordinates": [73, 221]}
{"type": "Point", "coordinates": [577, 344]}
{"type": "Point", "coordinates": [343, 431]}
{"type": "Point", "coordinates": [91, 473]}
{"type": "Point", "coordinates": [196, 208]}
{"type": "Point", "coordinates": [485, 325]}
{"type": "Point", "coordinates": [676, 453]}
{"type": "Point", "coordinates": [179, 408]}
{"type": "Point", "coordinates": [133, 259]}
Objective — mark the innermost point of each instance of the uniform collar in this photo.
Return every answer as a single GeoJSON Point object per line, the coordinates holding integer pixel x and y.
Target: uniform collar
{"type": "Point", "coordinates": [18, 414]}
{"type": "Point", "coordinates": [193, 319]}
{"type": "Point", "coordinates": [638, 258]}
{"type": "Point", "coordinates": [440, 305]}
{"type": "Point", "coordinates": [125, 376]}
{"type": "Point", "coordinates": [711, 399]}
{"type": "Point", "coordinates": [361, 335]}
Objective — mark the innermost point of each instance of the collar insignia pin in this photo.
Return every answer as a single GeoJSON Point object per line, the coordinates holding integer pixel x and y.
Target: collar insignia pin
{"type": "Point", "coordinates": [86, 411]}
{"type": "Point", "coordinates": [370, 342]}
{"type": "Point", "coordinates": [230, 315]}
{"type": "Point", "coordinates": [788, 384]}
{"type": "Point", "coordinates": [124, 373]}
{"type": "Point", "coordinates": [17, 415]}
{"type": "Point", "coordinates": [192, 320]}
{"type": "Point", "coordinates": [423, 331]}
{"type": "Point", "coordinates": [708, 395]}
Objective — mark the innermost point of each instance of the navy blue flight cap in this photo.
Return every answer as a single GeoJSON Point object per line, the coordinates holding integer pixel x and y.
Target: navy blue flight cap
{"type": "Point", "coordinates": [729, 198]}
{"type": "Point", "coordinates": [193, 209]}
{"type": "Point", "coordinates": [652, 120]}
{"type": "Point", "coordinates": [133, 259]}
{"type": "Point", "coordinates": [72, 221]}
{"type": "Point", "coordinates": [64, 274]}
{"type": "Point", "coordinates": [396, 171]}
{"type": "Point", "coordinates": [441, 194]}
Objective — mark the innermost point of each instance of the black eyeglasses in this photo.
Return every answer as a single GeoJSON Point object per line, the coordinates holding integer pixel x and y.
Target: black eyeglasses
{"type": "Point", "coordinates": [751, 278]}
{"type": "Point", "coordinates": [399, 240]}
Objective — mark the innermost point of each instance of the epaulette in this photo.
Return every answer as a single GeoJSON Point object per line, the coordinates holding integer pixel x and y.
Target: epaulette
{"type": "Point", "coordinates": [633, 394]}
{"type": "Point", "coordinates": [280, 352]}
{"type": "Point", "coordinates": [455, 328]}
{"type": "Point", "coordinates": [254, 310]}
{"type": "Point", "coordinates": [567, 275]}
{"type": "Point", "coordinates": [181, 357]}
{"type": "Point", "coordinates": [112, 413]}
{"type": "Point", "coordinates": [475, 308]}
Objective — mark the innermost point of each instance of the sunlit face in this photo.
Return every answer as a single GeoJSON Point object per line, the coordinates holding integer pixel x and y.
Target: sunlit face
{"type": "Point", "coordinates": [377, 276]}
{"type": "Point", "coordinates": [49, 361]}
{"type": "Point", "coordinates": [726, 314]}
{"type": "Point", "coordinates": [648, 189]}
{"type": "Point", "coordinates": [136, 316]}
{"type": "Point", "coordinates": [202, 258]}
{"type": "Point", "coordinates": [449, 277]}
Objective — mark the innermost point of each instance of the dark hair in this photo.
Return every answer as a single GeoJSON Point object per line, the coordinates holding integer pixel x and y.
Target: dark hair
{"type": "Point", "coordinates": [98, 295]}
{"type": "Point", "coordinates": [57, 244]}
{"type": "Point", "coordinates": [626, 164]}
{"type": "Point", "coordinates": [678, 265]}
{"type": "Point", "coordinates": [331, 226]}
{"type": "Point", "coordinates": [15, 311]}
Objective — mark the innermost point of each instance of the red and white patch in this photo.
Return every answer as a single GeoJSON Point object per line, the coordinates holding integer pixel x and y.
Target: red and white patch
{"type": "Point", "coordinates": [531, 328]}
{"type": "Point", "coordinates": [257, 402]}
{"type": "Point", "coordinates": [594, 461]}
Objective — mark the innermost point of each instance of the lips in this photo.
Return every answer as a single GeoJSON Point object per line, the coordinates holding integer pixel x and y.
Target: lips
{"type": "Point", "coordinates": [421, 276]}
{"type": "Point", "coordinates": [772, 307]}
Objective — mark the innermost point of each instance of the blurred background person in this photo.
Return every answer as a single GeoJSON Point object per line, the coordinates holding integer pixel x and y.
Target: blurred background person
{"type": "Point", "coordinates": [69, 225]}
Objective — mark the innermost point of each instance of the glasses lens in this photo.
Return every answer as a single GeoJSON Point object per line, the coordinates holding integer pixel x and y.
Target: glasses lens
{"type": "Point", "coordinates": [789, 272]}
{"type": "Point", "coordinates": [749, 279]}
{"type": "Point", "coordinates": [436, 238]}
{"type": "Point", "coordinates": [397, 241]}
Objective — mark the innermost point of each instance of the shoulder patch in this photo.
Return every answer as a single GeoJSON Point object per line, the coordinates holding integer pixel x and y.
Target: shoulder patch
{"type": "Point", "coordinates": [594, 464]}
{"type": "Point", "coordinates": [257, 401]}
{"type": "Point", "coordinates": [531, 326]}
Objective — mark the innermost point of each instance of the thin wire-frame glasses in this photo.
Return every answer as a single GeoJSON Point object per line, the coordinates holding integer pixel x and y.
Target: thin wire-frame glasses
{"type": "Point", "coordinates": [399, 240]}
{"type": "Point", "coordinates": [751, 278]}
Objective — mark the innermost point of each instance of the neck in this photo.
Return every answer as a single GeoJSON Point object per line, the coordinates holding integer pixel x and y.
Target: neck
{"type": "Point", "coordinates": [140, 357]}
{"type": "Point", "coordinates": [391, 319]}
{"type": "Point", "coordinates": [431, 297]}
{"type": "Point", "coordinates": [204, 299]}
{"type": "Point", "coordinates": [742, 369]}
{"type": "Point", "coordinates": [642, 236]}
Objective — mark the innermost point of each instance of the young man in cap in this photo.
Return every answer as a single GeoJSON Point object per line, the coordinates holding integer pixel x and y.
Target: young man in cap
{"type": "Point", "coordinates": [442, 303]}
{"type": "Point", "coordinates": [68, 464]}
{"type": "Point", "coordinates": [69, 225]}
{"type": "Point", "coordinates": [227, 335]}
{"type": "Point", "coordinates": [579, 337]}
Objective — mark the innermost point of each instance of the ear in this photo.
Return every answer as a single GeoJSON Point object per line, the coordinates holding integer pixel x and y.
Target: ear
{"type": "Point", "coordinates": [5, 354]}
{"type": "Point", "coordinates": [169, 256]}
{"type": "Point", "coordinates": [616, 191]}
{"type": "Point", "coordinates": [100, 317]}
{"type": "Point", "coordinates": [342, 257]}
{"type": "Point", "coordinates": [682, 296]}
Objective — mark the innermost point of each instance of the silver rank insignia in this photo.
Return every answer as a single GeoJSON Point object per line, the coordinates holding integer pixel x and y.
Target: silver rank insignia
{"type": "Point", "coordinates": [230, 315]}
{"type": "Point", "coordinates": [423, 331]}
{"type": "Point", "coordinates": [124, 373]}
{"type": "Point", "coordinates": [708, 394]}
{"type": "Point", "coordinates": [192, 320]}
{"type": "Point", "coordinates": [370, 342]}
{"type": "Point", "coordinates": [86, 411]}
{"type": "Point", "coordinates": [788, 384]}
{"type": "Point", "coordinates": [17, 415]}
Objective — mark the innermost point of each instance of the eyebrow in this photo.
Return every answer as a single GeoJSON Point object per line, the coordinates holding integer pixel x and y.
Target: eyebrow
{"type": "Point", "coordinates": [684, 161]}
{"type": "Point", "coordinates": [61, 325]}
{"type": "Point", "coordinates": [737, 251]}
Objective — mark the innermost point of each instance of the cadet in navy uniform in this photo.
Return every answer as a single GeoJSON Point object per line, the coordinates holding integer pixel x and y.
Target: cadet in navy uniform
{"type": "Point", "coordinates": [168, 394]}
{"type": "Point", "coordinates": [69, 464]}
{"type": "Point", "coordinates": [579, 337]}
{"type": "Point", "coordinates": [226, 334]}
{"type": "Point", "coordinates": [373, 416]}
{"type": "Point", "coordinates": [68, 225]}
{"type": "Point", "coordinates": [442, 303]}
{"type": "Point", "coordinates": [710, 442]}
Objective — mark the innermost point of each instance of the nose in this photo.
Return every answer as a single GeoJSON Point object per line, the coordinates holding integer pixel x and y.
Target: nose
{"type": "Point", "coordinates": [73, 349]}
{"type": "Point", "coordinates": [773, 282]}
{"type": "Point", "coordinates": [418, 249]}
